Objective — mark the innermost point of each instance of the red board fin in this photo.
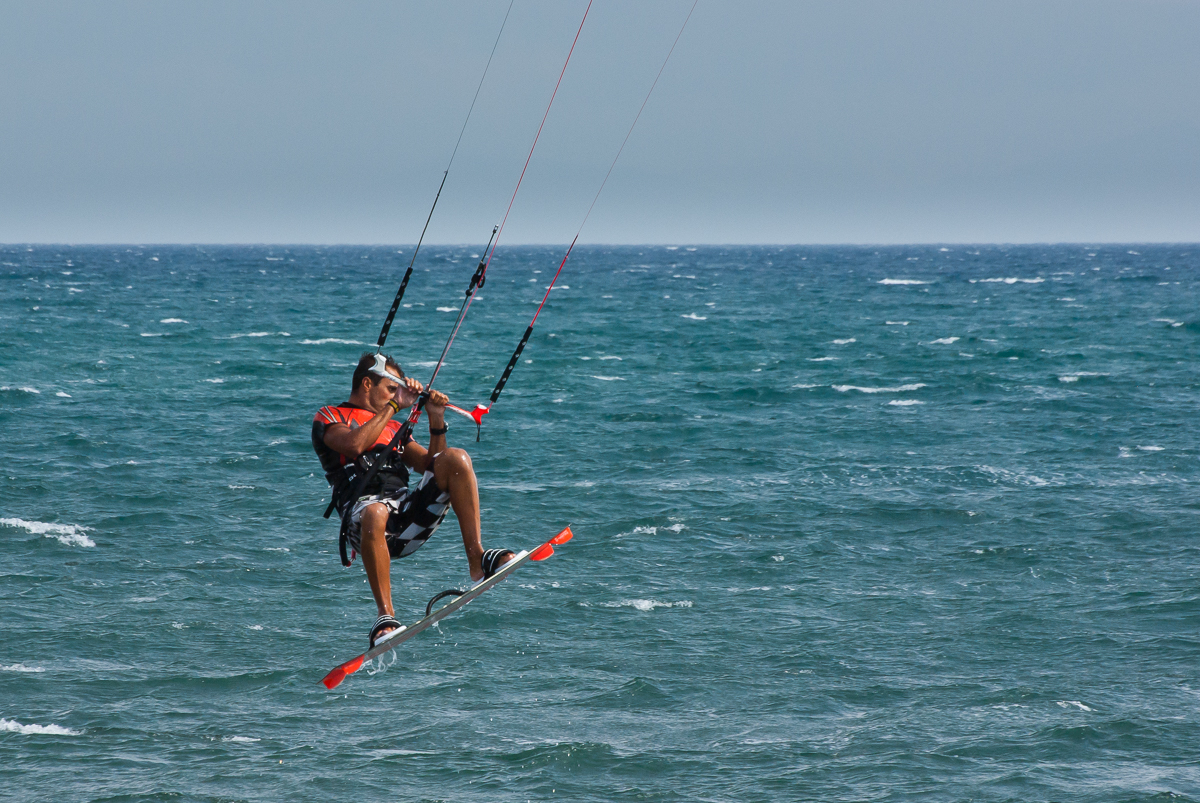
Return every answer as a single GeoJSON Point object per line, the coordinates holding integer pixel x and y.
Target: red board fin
{"type": "Point", "coordinates": [338, 675]}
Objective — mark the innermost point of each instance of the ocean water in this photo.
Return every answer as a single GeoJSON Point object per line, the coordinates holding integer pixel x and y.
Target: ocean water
{"type": "Point", "coordinates": [893, 524]}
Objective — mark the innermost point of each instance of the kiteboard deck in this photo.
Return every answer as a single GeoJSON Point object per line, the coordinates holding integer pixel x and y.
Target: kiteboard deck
{"type": "Point", "coordinates": [542, 552]}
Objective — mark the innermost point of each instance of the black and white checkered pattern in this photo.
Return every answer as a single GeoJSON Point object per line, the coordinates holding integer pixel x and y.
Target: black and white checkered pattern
{"type": "Point", "coordinates": [412, 516]}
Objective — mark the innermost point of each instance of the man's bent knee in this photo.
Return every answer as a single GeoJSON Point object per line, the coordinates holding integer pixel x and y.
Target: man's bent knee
{"type": "Point", "coordinates": [374, 519]}
{"type": "Point", "coordinates": [454, 459]}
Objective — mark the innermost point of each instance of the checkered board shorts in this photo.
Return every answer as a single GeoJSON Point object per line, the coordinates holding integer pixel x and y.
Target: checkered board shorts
{"type": "Point", "coordinates": [412, 517]}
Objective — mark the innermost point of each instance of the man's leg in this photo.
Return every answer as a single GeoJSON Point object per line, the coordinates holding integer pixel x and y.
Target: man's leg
{"type": "Point", "coordinates": [453, 472]}
{"type": "Point", "coordinates": [377, 561]}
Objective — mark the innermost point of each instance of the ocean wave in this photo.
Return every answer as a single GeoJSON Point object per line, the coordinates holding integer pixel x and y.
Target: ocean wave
{"type": "Point", "coordinates": [322, 341]}
{"type": "Point", "coordinates": [1010, 280]}
{"type": "Point", "coordinates": [904, 402]}
{"type": "Point", "coordinates": [447, 309]}
{"type": "Point", "coordinates": [901, 281]}
{"type": "Point", "coordinates": [693, 316]}
{"type": "Point", "coordinates": [1076, 376]}
{"type": "Point", "coordinates": [944, 341]}
{"type": "Point", "coordinates": [608, 378]}
{"type": "Point", "coordinates": [647, 604]}
{"type": "Point", "coordinates": [172, 320]}
{"type": "Point", "coordinates": [20, 668]}
{"type": "Point", "coordinates": [22, 389]}
{"type": "Point", "coordinates": [897, 389]}
{"type": "Point", "coordinates": [69, 534]}
{"type": "Point", "coordinates": [257, 334]}
{"type": "Point", "coordinates": [12, 726]}
{"type": "Point", "coordinates": [845, 341]}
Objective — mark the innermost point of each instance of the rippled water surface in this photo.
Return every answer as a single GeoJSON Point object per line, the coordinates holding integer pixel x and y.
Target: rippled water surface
{"type": "Point", "coordinates": [911, 523]}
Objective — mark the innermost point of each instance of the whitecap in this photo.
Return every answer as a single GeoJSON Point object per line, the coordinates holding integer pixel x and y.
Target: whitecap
{"type": "Point", "coordinates": [944, 341]}
{"type": "Point", "coordinates": [802, 387]}
{"type": "Point", "coordinates": [153, 334]}
{"type": "Point", "coordinates": [1075, 703]}
{"type": "Point", "coordinates": [215, 381]}
{"type": "Point", "coordinates": [250, 334]}
{"type": "Point", "coordinates": [325, 340]}
{"type": "Point", "coordinates": [608, 378]}
{"type": "Point", "coordinates": [12, 726]}
{"type": "Point", "coordinates": [901, 281]}
{"type": "Point", "coordinates": [447, 309]}
{"type": "Point", "coordinates": [172, 320]}
{"type": "Point", "coordinates": [1010, 280]}
{"type": "Point", "coordinates": [245, 739]}
{"type": "Point", "coordinates": [896, 323]}
{"type": "Point", "coordinates": [609, 357]}
{"type": "Point", "coordinates": [1076, 376]}
{"type": "Point", "coordinates": [904, 402]}
{"type": "Point", "coordinates": [844, 342]}
{"type": "Point", "coordinates": [69, 534]}
{"type": "Point", "coordinates": [647, 604]}
{"type": "Point", "coordinates": [21, 668]}
{"type": "Point", "coordinates": [694, 317]}
{"type": "Point", "coordinates": [1150, 448]}
{"type": "Point", "coordinates": [63, 395]}
{"type": "Point", "coordinates": [821, 359]}
{"type": "Point", "coordinates": [897, 389]}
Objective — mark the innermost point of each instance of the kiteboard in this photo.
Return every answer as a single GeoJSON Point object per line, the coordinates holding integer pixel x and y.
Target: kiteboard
{"type": "Point", "coordinates": [542, 552]}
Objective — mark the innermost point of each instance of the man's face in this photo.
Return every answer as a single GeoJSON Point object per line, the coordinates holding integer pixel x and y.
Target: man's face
{"type": "Point", "coordinates": [381, 390]}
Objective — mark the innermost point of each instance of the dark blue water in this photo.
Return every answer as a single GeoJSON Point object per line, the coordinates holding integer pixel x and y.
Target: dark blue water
{"type": "Point", "coordinates": [907, 523]}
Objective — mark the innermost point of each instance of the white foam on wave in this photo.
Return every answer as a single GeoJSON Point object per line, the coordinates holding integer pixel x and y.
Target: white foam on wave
{"type": "Point", "coordinates": [1010, 280]}
{"type": "Point", "coordinates": [901, 281]}
{"type": "Point", "coordinates": [896, 323]}
{"type": "Point", "coordinates": [821, 359]}
{"type": "Point", "coordinates": [153, 334]}
{"type": "Point", "coordinates": [69, 534]}
{"type": "Point", "coordinates": [447, 309]}
{"type": "Point", "coordinates": [609, 357]}
{"type": "Point", "coordinates": [802, 386]}
{"type": "Point", "coordinates": [647, 604]}
{"type": "Point", "coordinates": [215, 381]}
{"type": "Point", "coordinates": [897, 389]}
{"type": "Point", "coordinates": [649, 529]}
{"type": "Point", "coordinates": [12, 726]}
{"type": "Point", "coordinates": [1150, 448]}
{"type": "Point", "coordinates": [693, 316]}
{"type": "Point", "coordinates": [944, 341]}
{"type": "Point", "coordinates": [22, 389]}
{"type": "Point", "coordinates": [63, 395]}
{"type": "Point", "coordinates": [241, 739]}
{"type": "Point", "coordinates": [20, 668]}
{"type": "Point", "coordinates": [258, 334]}
{"type": "Point", "coordinates": [608, 378]}
{"type": "Point", "coordinates": [322, 341]}
{"type": "Point", "coordinates": [1074, 703]}
{"type": "Point", "coordinates": [904, 402]}
{"type": "Point", "coordinates": [172, 320]}
{"type": "Point", "coordinates": [845, 341]}
{"type": "Point", "coordinates": [1076, 376]}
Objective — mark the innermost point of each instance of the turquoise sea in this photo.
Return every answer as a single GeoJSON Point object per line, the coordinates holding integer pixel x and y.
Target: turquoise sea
{"type": "Point", "coordinates": [910, 523]}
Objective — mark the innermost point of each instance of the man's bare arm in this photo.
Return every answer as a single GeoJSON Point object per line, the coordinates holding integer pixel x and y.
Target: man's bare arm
{"type": "Point", "coordinates": [353, 442]}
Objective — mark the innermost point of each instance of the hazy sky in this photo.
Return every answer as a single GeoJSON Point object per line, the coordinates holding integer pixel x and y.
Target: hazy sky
{"type": "Point", "coordinates": [775, 122]}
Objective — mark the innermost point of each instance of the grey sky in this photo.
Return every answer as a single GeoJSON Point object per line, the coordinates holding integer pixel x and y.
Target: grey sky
{"type": "Point", "coordinates": [775, 122]}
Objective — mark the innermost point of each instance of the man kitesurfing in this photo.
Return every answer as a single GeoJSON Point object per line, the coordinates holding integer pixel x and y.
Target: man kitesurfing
{"type": "Point", "coordinates": [367, 453]}
{"type": "Point", "coordinates": [382, 518]}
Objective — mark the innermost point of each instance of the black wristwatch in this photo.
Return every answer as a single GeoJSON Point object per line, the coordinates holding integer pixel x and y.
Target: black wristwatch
{"type": "Point", "coordinates": [441, 431]}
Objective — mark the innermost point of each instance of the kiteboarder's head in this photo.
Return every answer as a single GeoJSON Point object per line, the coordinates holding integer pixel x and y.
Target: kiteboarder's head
{"type": "Point", "coordinates": [376, 369]}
